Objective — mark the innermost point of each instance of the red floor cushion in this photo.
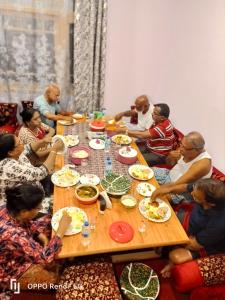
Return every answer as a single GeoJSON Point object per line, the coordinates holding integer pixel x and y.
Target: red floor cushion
{"type": "Point", "coordinates": [209, 293]}
{"type": "Point", "coordinates": [8, 118]}
{"type": "Point", "coordinates": [204, 271]}
{"type": "Point", "coordinates": [93, 279]}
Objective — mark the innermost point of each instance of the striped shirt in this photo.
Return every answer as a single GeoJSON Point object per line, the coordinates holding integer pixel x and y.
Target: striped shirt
{"type": "Point", "coordinates": [162, 138]}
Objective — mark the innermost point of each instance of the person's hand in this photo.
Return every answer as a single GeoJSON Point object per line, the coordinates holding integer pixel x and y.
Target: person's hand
{"type": "Point", "coordinates": [173, 157]}
{"type": "Point", "coordinates": [120, 130]}
{"type": "Point", "coordinates": [68, 118]}
{"type": "Point", "coordinates": [163, 190]}
{"type": "Point", "coordinates": [63, 224]}
{"type": "Point", "coordinates": [43, 239]}
{"type": "Point", "coordinates": [58, 146]}
{"type": "Point", "coordinates": [47, 139]}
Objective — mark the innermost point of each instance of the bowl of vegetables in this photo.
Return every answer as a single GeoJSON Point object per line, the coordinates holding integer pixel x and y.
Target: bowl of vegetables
{"type": "Point", "coordinates": [86, 193]}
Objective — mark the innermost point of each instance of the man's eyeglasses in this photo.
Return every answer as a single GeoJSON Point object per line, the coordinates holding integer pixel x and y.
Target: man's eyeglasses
{"type": "Point", "coordinates": [188, 149]}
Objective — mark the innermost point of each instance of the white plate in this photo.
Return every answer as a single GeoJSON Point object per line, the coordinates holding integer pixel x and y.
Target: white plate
{"type": "Point", "coordinates": [145, 189]}
{"type": "Point", "coordinates": [97, 144]}
{"type": "Point", "coordinates": [95, 135]}
{"type": "Point", "coordinates": [78, 219]}
{"type": "Point", "coordinates": [67, 123]}
{"type": "Point", "coordinates": [71, 140]}
{"type": "Point", "coordinates": [143, 208]}
{"type": "Point", "coordinates": [121, 139]}
{"type": "Point", "coordinates": [65, 177]}
{"type": "Point", "coordinates": [78, 116]}
{"type": "Point", "coordinates": [60, 137]}
{"type": "Point", "coordinates": [128, 152]}
{"type": "Point", "coordinates": [89, 179]}
{"type": "Point", "coordinates": [140, 172]}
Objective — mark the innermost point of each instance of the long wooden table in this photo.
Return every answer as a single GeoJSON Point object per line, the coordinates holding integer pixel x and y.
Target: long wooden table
{"type": "Point", "coordinates": [156, 234]}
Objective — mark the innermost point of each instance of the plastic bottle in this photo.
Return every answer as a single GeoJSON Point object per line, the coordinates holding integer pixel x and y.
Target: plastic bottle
{"type": "Point", "coordinates": [85, 234]}
{"type": "Point", "coordinates": [107, 144]}
{"type": "Point", "coordinates": [108, 165]}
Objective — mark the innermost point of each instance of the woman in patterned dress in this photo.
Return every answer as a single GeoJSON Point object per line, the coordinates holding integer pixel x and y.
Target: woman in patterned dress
{"type": "Point", "coordinates": [34, 130]}
{"type": "Point", "coordinates": [16, 168]}
{"type": "Point", "coordinates": [27, 252]}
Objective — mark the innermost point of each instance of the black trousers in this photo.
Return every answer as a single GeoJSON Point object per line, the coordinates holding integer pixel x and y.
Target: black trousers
{"type": "Point", "coordinates": [151, 158]}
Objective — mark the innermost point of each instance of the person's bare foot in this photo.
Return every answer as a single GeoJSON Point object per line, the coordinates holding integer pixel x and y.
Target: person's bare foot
{"type": "Point", "coordinates": [166, 271]}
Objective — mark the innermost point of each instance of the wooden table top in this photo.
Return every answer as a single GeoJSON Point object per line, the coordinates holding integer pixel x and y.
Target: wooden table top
{"type": "Point", "coordinates": [156, 234]}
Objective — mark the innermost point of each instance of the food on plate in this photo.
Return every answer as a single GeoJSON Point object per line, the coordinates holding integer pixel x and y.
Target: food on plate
{"type": "Point", "coordinates": [142, 174]}
{"type": "Point", "coordinates": [77, 215]}
{"type": "Point", "coordinates": [71, 140]}
{"type": "Point", "coordinates": [121, 139]}
{"type": "Point", "coordinates": [80, 154]}
{"type": "Point", "coordinates": [65, 177]}
{"type": "Point", "coordinates": [86, 191]}
{"type": "Point", "coordinates": [154, 211]}
{"type": "Point", "coordinates": [115, 183]}
{"type": "Point", "coordinates": [145, 189]}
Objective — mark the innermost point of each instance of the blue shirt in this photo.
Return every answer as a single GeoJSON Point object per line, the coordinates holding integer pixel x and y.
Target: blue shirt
{"type": "Point", "coordinates": [42, 105]}
{"type": "Point", "coordinates": [208, 227]}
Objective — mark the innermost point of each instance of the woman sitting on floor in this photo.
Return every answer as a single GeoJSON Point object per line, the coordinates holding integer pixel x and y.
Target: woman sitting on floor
{"type": "Point", "coordinates": [26, 253]}
{"type": "Point", "coordinates": [15, 167]}
{"type": "Point", "coordinates": [206, 228]}
{"type": "Point", "coordinates": [34, 130]}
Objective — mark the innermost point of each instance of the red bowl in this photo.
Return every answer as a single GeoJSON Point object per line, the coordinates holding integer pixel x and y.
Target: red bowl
{"type": "Point", "coordinates": [77, 160]}
{"type": "Point", "coordinates": [128, 158]}
{"type": "Point", "coordinates": [97, 126]}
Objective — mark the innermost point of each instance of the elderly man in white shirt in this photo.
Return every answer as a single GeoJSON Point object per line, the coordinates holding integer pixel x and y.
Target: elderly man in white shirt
{"type": "Point", "coordinates": [141, 113]}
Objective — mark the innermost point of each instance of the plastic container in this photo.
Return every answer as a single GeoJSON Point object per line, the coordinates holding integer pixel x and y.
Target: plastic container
{"type": "Point", "coordinates": [86, 234]}
{"type": "Point", "coordinates": [108, 166]}
{"type": "Point", "coordinates": [107, 144]}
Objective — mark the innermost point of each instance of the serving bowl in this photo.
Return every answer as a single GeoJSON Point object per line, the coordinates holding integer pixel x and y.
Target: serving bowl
{"type": "Point", "coordinates": [127, 155]}
{"type": "Point", "coordinates": [78, 153]}
{"type": "Point", "coordinates": [86, 193]}
{"type": "Point", "coordinates": [128, 201]}
{"type": "Point", "coordinates": [97, 126]}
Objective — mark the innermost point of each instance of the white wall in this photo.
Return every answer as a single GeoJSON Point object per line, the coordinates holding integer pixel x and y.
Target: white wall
{"type": "Point", "coordinates": [174, 51]}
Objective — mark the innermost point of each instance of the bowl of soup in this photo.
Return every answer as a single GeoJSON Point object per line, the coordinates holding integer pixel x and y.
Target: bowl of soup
{"type": "Point", "coordinates": [86, 193]}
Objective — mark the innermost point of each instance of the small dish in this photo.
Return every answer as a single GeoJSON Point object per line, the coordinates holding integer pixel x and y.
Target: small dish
{"type": "Point", "coordinates": [128, 201]}
{"type": "Point", "coordinates": [89, 179]}
{"type": "Point", "coordinates": [60, 137]}
{"type": "Point", "coordinates": [97, 144]}
{"type": "Point", "coordinates": [67, 123]}
{"type": "Point", "coordinates": [78, 116]}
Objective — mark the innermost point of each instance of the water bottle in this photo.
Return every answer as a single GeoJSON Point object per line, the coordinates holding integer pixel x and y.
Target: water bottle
{"type": "Point", "coordinates": [107, 144]}
{"type": "Point", "coordinates": [85, 234]}
{"type": "Point", "coordinates": [108, 165]}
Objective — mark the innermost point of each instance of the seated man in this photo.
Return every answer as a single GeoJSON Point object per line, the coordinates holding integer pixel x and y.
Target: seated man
{"type": "Point", "coordinates": [159, 137]}
{"type": "Point", "coordinates": [140, 114]}
{"type": "Point", "coordinates": [206, 228]}
{"type": "Point", "coordinates": [194, 163]}
{"type": "Point", "coordinates": [48, 107]}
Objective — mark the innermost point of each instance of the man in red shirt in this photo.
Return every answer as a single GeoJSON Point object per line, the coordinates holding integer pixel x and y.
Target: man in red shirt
{"type": "Point", "coordinates": [159, 137]}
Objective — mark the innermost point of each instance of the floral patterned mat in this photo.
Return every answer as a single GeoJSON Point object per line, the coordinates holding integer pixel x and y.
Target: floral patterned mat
{"type": "Point", "coordinates": [96, 160]}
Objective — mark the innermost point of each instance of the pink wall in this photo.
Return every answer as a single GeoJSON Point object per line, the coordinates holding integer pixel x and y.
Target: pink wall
{"type": "Point", "coordinates": [174, 51]}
